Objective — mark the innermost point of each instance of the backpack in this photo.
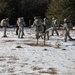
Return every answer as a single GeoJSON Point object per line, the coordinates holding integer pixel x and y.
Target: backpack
{"type": "Point", "coordinates": [39, 22]}
{"type": "Point", "coordinates": [3, 22]}
{"type": "Point", "coordinates": [70, 25]}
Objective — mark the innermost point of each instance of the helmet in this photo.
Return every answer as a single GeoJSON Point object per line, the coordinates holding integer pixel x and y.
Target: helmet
{"type": "Point", "coordinates": [65, 20]}
{"type": "Point", "coordinates": [53, 18]}
{"type": "Point", "coordinates": [7, 19]}
{"type": "Point", "coordinates": [44, 18]}
{"type": "Point", "coordinates": [34, 18]}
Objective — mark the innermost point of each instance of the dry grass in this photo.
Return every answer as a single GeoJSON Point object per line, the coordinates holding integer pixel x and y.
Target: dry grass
{"type": "Point", "coordinates": [37, 68]}
{"type": "Point", "coordinates": [2, 59]}
{"type": "Point", "coordinates": [2, 65]}
{"type": "Point", "coordinates": [74, 61]}
{"type": "Point", "coordinates": [10, 56]}
{"type": "Point", "coordinates": [24, 64]}
{"type": "Point", "coordinates": [12, 59]}
{"type": "Point", "coordinates": [12, 62]}
{"type": "Point", "coordinates": [3, 71]}
{"type": "Point", "coordinates": [48, 72]}
{"type": "Point", "coordinates": [52, 71]}
{"type": "Point", "coordinates": [11, 70]}
{"type": "Point", "coordinates": [13, 74]}
{"type": "Point", "coordinates": [42, 45]}
{"type": "Point", "coordinates": [73, 68]}
{"type": "Point", "coordinates": [28, 40]}
{"type": "Point", "coordinates": [9, 41]}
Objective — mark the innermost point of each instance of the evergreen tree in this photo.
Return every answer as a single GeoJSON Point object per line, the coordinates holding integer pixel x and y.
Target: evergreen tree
{"type": "Point", "coordinates": [22, 8]}
{"type": "Point", "coordinates": [3, 5]}
{"type": "Point", "coordinates": [12, 10]}
{"type": "Point", "coordinates": [61, 9]}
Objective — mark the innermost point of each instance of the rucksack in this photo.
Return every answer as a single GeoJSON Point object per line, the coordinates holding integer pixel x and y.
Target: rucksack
{"type": "Point", "coordinates": [70, 25]}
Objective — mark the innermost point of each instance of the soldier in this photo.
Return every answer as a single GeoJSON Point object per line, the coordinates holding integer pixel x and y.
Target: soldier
{"type": "Point", "coordinates": [67, 29]}
{"type": "Point", "coordinates": [38, 24]}
{"type": "Point", "coordinates": [21, 24]}
{"type": "Point", "coordinates": [4, 24]}
{"type": "Point", "coordinates": [45, 23]}
{"type": "Point", "coordinates": [54, 28]}
{"type": "Point", "coordinates": [34, 23]}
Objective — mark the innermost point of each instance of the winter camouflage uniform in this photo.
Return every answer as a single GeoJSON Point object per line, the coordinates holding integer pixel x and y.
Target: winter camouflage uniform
{"type": "Point", "coordinates": [67, 27]}
{"type": "Point", "coordinates": [54, 24]}
{"type": "Point", "coordinates": [21, 24]}
{"type": "Point", "coordinates": [45, 23]}
{"type": "Point", "coordinates": [4, 24]}
{"type": "Point", "coordinates": [38, 25]}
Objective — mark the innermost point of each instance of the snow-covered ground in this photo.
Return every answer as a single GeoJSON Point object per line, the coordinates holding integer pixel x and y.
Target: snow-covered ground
{"type": "Point", "coordinates": [24, 57]}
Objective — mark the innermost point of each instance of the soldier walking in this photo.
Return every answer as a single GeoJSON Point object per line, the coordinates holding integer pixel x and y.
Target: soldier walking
{"type": "Point", "coordinates": [21, 23]}
{"type": "Point", "coordinates": [39, 28]}
{"type": "Point", "coordinates": [54, 28]}
{"type": "Point", "coordinates": [4, 24]}
{"type": "Point", "coordinates": [67, 27]}
{"type": "Point", "coordinates": [45, 23]}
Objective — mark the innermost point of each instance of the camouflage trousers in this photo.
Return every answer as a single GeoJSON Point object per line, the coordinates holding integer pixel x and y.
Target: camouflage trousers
{"type": "Point", "coordinates": [54, 29]}
{"type": "Point", "coordinates": [20, 32]}
{"type": "Point", "coordinates": [4, 35]}
{"type": "Point", "coordinates": [67, 35]}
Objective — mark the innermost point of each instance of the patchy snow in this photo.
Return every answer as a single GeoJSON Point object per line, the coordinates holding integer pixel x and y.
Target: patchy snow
{"type": "Point", "coordinates": [24, 57]}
